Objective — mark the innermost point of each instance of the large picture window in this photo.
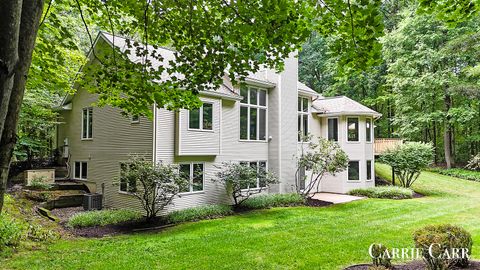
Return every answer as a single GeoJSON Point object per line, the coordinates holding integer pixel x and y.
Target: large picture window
{"type": "Point", "coordinates": [261, 168]}
{"type": "Point", "coordinates": [333, 129]}
{"type": "Point", "coordinates": [194, 172]}
{"type": "Point", "coordinates": [201, 118]}
{"type": "Point", "coordinates": [352, 129]}
{"type": "Point", "coordinates": [368, 129]}
{"type": "Point", "coordinates": [87, 127]}
{"type": "Point", "coordinates": [80, 170]}
{"type": "Point", "coordinates": [354, 171]}
{"type": "Point", "coordinates": [302, 114]}
{"type": "Point", "coordinates": [253, 114]}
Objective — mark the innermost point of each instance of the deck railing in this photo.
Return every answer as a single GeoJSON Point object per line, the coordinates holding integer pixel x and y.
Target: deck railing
{"type": "Point", "coordinates": [383, 144]}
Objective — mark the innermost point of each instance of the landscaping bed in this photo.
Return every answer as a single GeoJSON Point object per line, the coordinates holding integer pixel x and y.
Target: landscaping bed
{"type": "Point", "coordinates": [458, 172]}
{"type": "Point", "coordinates": [413, 265]}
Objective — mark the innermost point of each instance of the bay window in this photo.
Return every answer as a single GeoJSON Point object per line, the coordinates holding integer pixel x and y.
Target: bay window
{"type": "Point", "coordinates": [352, 129]}
{"type": "Point", "coordinates": [201, 118]}
{"type": "Point", "coordinates": [368, 129]}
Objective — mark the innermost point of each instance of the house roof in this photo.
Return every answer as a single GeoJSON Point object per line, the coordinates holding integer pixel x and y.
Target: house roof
{"type": "Point", "coordinates": [305, 90]}
{"type": "Point", "coordinates": [341, 105]}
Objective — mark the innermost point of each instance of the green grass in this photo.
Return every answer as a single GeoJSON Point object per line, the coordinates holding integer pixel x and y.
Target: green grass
{"type": "Point", "coordinates": [102, 218]}
{"type": "Point", "coordinates": [384, 192]}
{"type": "Point", "coordinates": [458, 172]}
{"type": "Point", "coordinates": [278, 238]}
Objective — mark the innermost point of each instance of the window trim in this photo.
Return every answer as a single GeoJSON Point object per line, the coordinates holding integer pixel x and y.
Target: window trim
{"type": "Point", "coordinates": [301, 113]}
{"type": "Point", "coordinates": [190, 181]}
{"type": "Point", "coordinates": [200, 118]}
{"type": "Point", "coordinates": [132, 121]}
{"type": "Point", "coordinates": [338, 129]}
{"type": "Point", "coordinates": [258, 107]}
{"type": "Point", "coordinates": [258, 187]}
{"type": "Point", "coordinates": [358, 129]}
{"type": "Point", "coordinates": [81, 165]}
{"type": "Point", "coordinates": [359, 172]}
{"type": "Point", "coordinates": [371, 169]}
{"type": "Point", "coordinates": [89, 120]}
{"type": "Point", "coordinates": [371, 129]}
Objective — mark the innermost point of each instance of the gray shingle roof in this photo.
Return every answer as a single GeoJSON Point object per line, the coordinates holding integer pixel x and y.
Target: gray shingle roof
{"type": "Point", "coordinates": [332, 106]}
{"type": "Point", "coordinates": [303, 89]}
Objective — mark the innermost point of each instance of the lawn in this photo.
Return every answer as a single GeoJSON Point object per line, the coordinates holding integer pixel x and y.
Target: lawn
{"type": "Point", "coordinates": [280, 238]}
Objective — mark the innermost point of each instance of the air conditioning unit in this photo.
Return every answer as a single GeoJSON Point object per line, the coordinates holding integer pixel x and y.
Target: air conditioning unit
{"type": "Point", "coordinates": [92, 201]}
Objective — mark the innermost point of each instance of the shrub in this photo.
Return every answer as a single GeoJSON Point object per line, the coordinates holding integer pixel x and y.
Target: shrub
{"type": "Point", "coordinates": [154, 185]}
{"type": "Point", "coordinates": [102, 218]}
{"type": "Point", "coordinates": [436, 240]}
{"type": "Point", "coordinates": [38, 233]}
{"type": "Point", "coordinates": [474, 163]}
{"type": "Point", "coordinates": [10, 231]}
{"type": "Point", "coordinates": [242, 181]}
{"type": "Point", "coordinates": [274, 200]}
{"type": "Point", "coordinates": [457, 172]}
{"type": "Point", "coordinates": [384, 192]}
{"type": "Point", "coordinates": [39, 184]}
{"type": "Point", "coordinates": [408, 160]}
{"type": "Point", "coordinates": [380, 257]}
{"type": "Point", "coordinates": [319, 159]}
{"type": "Point", "coordinates": [199, 213]}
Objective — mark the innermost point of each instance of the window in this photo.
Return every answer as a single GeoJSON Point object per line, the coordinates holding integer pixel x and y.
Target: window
{"type": "Point", "coordinates": [368, 129]}
{"type": "Point", "coordinates": [261, 168]}
{"type": "Point", "coordinates": [352, 129]}
{"type": "Point", "coordinates": [135, 119]}
{"type": "Point", "coordinates": [253, 114]}
{"type": "Point", "coordinates": [302, 114]}
{"type": "Point", "coordinates": [194, 173]}
{"type": "Point", "coordinates": [129, 184]}
{"type": "Point", "coordinates": [87, 128]}
{"type": "Point", "coordinates": [353, 171]}
{"type": "Point", "coordinates": [369, 170]}
{"type": "Point", "coordinates": [201, 118]}
{"type": "Point", "coordinates": [81, 169]}
{"type": "Point", "coordinates": [333, 129]}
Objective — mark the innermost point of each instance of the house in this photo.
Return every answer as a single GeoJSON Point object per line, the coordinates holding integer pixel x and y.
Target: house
{"type": "Point", "coordinates": [258, 124]}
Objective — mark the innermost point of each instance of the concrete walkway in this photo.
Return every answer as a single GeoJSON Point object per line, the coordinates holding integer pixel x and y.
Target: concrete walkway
{"type": "Point", "coordinates": [335, 198]}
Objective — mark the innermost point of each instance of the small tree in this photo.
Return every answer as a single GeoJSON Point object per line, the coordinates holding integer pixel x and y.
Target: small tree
{"type": "Point", "coordinates": [159, 183]}
{"type": "Point", "coordinates": [242, 181]}
{"type": "Point", "coordinates": [408, 160]}
{"type": "Point", "coordinates": [319, 159]}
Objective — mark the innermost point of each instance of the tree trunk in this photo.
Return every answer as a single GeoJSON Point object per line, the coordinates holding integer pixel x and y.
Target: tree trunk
{"type": "Point", "coordinates": [435, 142]}
{"type": "Point", "coordinates": [29, 23]}
{"type": "Point", "coordinates": [447, 134]}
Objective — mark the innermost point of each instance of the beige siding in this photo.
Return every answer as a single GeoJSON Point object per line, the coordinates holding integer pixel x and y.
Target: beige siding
{"type": "Point", "coordinates": [114, 139]}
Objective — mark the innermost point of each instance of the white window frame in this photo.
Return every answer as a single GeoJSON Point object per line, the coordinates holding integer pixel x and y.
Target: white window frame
{"type": "Point", "coordinates": [371, 130]}
{"type": "Point", "coordinates": [201, 118]}
{"type": "Point", "coordinates": [258, 168]}
{"type": "Point", "coordinates": [372, 171]}
{"type": "Point", "coordinates": [338, 128]}
{"type": "Point", "coordinates": [358, 129]}
{"type": "Point", "coordinates": [133, 121]}
{"type": "Point", "coordinates": [190, 179]}
{"type": "Point", "coordinates": [301, 113]}
{"type": "Point", "coordinates": [81, 167]}
{"type": "Point", "coordinates": [89, 121]}
{"type": "Point", "coordinates": [359, 172]}
{"type": "Point", "coordinates": [258, 107]}
{"type": "Point", "coordinates": [120, 184]}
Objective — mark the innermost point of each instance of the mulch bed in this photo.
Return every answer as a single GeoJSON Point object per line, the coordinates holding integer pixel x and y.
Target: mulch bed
{"type": "Point", "coordinates": [317, 203]}
{"type": "Point", "coordinates": [413, 265]}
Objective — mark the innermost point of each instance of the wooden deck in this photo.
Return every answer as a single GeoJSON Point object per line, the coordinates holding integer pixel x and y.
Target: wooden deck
{"type": "Point", "coordinates": [381, 145]}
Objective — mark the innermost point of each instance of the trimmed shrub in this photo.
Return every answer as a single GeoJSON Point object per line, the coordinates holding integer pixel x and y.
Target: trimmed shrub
{"type": "Point", "coordinates": [10, 232]}
{"type": "Point", "coordinates": [380, 260]}
{"type": "Point", "coordinates": [199, 213]}
{"type": "Point", "coordinates": [457, 172]}
{"type": "Point", "coordinates": [383, 192]}
{"type": "Point", "coordinates": [274, 200]}
{"type": "Point", "coordinates": [102, 218]}
{"type": "Point", "coordinates": [436, 241]}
